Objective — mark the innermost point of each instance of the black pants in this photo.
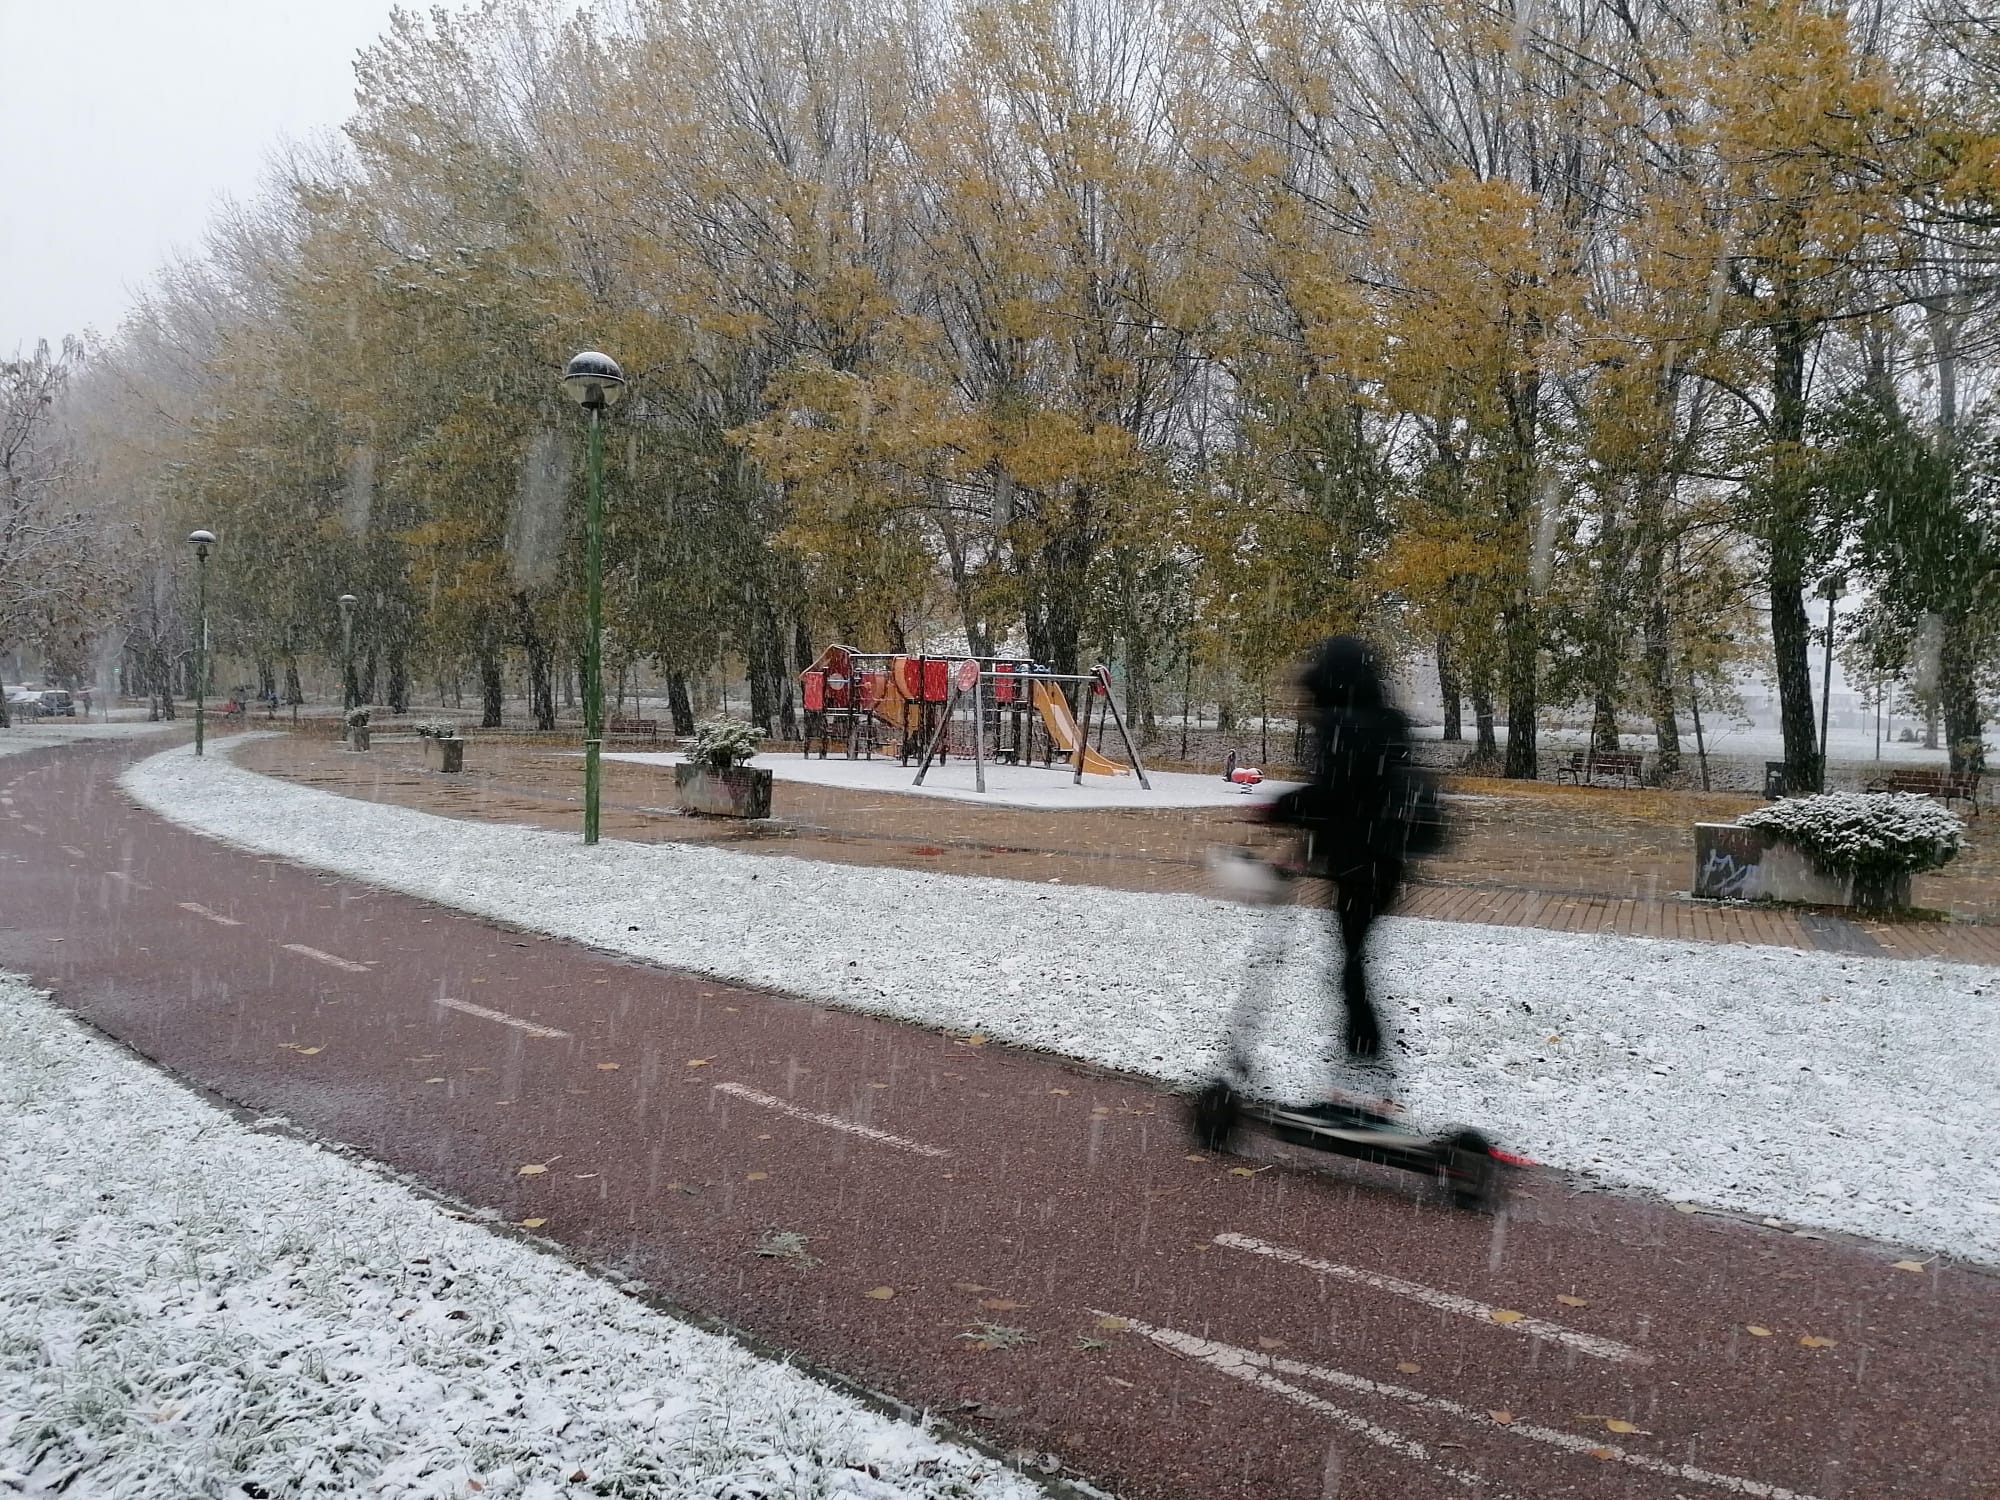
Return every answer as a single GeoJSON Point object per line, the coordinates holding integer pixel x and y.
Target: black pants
{"type": "Point", "coordinates": [1360, 896]}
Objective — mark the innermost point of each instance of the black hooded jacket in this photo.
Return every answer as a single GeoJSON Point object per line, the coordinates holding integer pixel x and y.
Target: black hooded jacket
{"type": "Point", "coordinates": [1356, 807]}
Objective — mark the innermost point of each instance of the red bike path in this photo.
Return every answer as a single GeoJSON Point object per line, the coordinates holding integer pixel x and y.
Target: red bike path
{"type": "Point", "coordinates": [1027, 1247]}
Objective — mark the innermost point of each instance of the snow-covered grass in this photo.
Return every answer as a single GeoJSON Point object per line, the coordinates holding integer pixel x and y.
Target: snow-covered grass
{"type": "Point", "coordinates": [1837, 1091]}
{"type": "Point", "coordinates": [1041, 788]}
{"type": "Point", "coordinates": [39, 734]}
{"type": "Point", "coordinates": [193, 1307]}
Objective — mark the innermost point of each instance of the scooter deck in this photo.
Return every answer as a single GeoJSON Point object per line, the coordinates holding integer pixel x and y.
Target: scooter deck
{"type": "Point", "coordinates": [1347, 1131]}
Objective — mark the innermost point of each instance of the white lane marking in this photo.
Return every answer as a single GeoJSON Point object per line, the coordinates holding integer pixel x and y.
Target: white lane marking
{"type": "Point", "coordinates": [326, 958]}
{"type": "Point", "coordinates": [1257, 1368]}
{"type": "Point", "coordinates": [832, 1122]}
{"type": "Point", "coordinates": [499, 1015]}
{"type": "Point", "coordinates": [214, 916]}
{"type": "Point", "coordinates": [1535, 1328]}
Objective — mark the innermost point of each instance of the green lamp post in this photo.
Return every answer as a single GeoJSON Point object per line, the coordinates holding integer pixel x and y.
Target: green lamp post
{"type": "Point", "coordinates": [595, 383]}
{"type": "Point", "coordinates": [201, 541]}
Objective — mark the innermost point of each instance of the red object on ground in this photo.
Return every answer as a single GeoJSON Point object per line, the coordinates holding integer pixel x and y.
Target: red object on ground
{"type": "Point", "coordinates": [1168, 1323]}
{"type": "Point", "coordinates": [1246, 776]}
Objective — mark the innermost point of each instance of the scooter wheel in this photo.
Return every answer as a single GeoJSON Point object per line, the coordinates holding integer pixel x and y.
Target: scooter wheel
{"type": "Point", "coordinates": [1469, 1173]}
{"type": "Point", "coordinates": [1213, 1116]}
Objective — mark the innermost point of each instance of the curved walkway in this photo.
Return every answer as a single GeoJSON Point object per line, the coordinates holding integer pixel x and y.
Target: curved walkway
{"type": "Point", "coordinates": [1027, 1247]}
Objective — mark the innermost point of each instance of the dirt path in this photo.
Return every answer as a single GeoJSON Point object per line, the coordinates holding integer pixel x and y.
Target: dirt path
{"type": "Point", "coordinates": [1026, 1247]}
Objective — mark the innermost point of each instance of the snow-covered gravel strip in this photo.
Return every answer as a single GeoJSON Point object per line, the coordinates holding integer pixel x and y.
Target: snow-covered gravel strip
{"type": "Point", "coordinates": [33, 734]}
{"type": "Point", "coordinates": [193, 1307]}
{"type": "Point", "coordinates": [1827, 1090]}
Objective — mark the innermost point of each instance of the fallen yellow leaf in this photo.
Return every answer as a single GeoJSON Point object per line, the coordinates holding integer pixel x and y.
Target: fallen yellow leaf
{"type": "Point", "coordinates": [1813, 1341]}
{"type": "Point", "coordinates": [977, 1039]}
{"type": "Point", "coordinates": [531, 1223]}
{"type": "Point", "coordinates": [1607, 1454]}
{"type": "Point", "coordinates": [607, 1067]}
{"type": "Point", "coordinates": [697, 1062]}
{"type": "Point", "coordinates": [310, 1051]}
{"type": "Point", "coordinates": [1111, 1325]}
{"type": "Point", "coordinates": [1265, 1343]}
{"type": "Point", "coordinates": [1506, 1315]}
{"type": "Point", "coordinates": [1571, 1301]}
{"type": "Point", "coordinates": [433, 1080]}
{"type": "Point", "coordinates": [1407, 1368]}
{"type": "Point", "coordinates": [1063, 1092]}
{"type": "Point", "coordinates": [1247, 1171]}
{"type": "Point", "coordinates": [1197, 1156]}
{"type": "Point", "coordinates": [757, 1177]}
{"type": "Point", "coordinates": [1756, 1332]}
{"type": "Point", "coordinates": [1907, 1265]}
{"type": "Point", "coordinates": [880, 1293]}
{"type": "Point", "coordinates": [532, 1169]}
{"type": "Point", "coordinates": [1504, 1418]}
{"type": "Point", "coordinates": [1615, 1424]}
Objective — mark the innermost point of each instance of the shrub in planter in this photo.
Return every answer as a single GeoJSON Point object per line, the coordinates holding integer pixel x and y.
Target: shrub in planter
{"type": "Point", "coordinates": [436, 729]}
{"type": "Point", "coordinates": [1849, 848]}
{"type": "Point", "coordinates": [357, 727]}
{"type": "Point", "coordinates": [715, 779]}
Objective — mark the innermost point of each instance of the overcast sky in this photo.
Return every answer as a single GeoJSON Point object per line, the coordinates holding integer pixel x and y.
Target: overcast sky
{"type": "Point", "coordinates": [123, 121]}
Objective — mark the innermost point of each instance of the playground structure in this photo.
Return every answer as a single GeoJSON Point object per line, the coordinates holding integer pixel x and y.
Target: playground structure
{"type": "Point", "coordinates": [1021, 713]}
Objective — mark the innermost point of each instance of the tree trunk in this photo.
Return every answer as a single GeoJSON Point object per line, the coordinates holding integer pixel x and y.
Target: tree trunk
{"type": "Point", "coordinates": [267, 679]}
{"type": "Point", "coordinates": [1450, 691]}
{"type": "Point", "coordinates": [399, 679]}
{"type": "Point", "coordinates": [541, 685]}
{"type": "Point", "coordinates": [1523, 648]}
{"type": "Point", "coordinates": [368, 664]}
{"type": "Point", "coordinates": [1958, 695]}
{"type": "Point", "coordinates": [492, 690]}
{"type": "Point", "coordinates": [678, 704]}
{"type": "Point", "coordinates": [295, 693]}
{"type": "Point", "coordinates": [1787, 523]}
{"type": "Point", "coordinates": [1486, 740]}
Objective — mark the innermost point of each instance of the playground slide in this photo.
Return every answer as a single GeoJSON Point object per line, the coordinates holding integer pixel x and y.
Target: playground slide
{"type": "Point", "coordinates": [1063, 733]}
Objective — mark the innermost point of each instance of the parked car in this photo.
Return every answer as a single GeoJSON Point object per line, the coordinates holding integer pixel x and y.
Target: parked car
{"type": "Point", "coordinates": [57, 704]}
{"type": "Point", "coordinates": [24, 703]}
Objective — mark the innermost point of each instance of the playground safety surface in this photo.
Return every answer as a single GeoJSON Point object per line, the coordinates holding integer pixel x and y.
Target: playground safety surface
{"type": "Point", "coordinates": [1026, 1247]}
{"type": "Point", "coordinates": [1565, 858]}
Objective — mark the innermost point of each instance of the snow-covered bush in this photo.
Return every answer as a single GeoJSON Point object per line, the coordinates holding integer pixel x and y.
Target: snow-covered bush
{"type": "Point", "coordinates": [722, 743]}
{"type": "Point", "coordinates": [1875, 832]}
{"type": "Point", "coordinates": [357, 718]}
{"type": "Point", "coordinates": [436, 729]}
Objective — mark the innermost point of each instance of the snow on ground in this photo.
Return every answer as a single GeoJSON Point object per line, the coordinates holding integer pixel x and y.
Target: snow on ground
{"type": "Point", "coordinates": [1843, 1092]}
{"type": "Point", "coordinates": [281, 1321]}
{"type": "Point", "coordinates": [1006, 786]}
{"type": "Point", "coordinates": [39, 734]}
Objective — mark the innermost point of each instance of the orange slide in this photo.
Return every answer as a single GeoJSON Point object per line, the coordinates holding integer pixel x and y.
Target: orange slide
{"type": "Point", "coordinates": [1063, 733]}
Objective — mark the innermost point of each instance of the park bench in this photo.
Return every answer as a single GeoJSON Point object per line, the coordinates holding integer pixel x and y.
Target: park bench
{"type": "Point", "coordinates": [633, 729]}
{"type": "Point", "coordinates": [1946, 786]}
{"type": "Point", "coordinates": [1586, 765]}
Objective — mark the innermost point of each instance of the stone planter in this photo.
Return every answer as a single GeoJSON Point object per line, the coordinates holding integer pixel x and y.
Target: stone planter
{"type": "Point", "coordinates": [1751, 864]}
{"type": "Point", "coordinates": [357, 739]}
{"type": "Point", "coordinates": [741, 792]}
{"type": "Point", "coordinates": [444, 755]}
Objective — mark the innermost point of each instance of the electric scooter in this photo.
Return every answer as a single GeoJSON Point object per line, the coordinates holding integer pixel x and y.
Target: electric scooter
{"type": "Point", "coordinates": [1463, 1161]}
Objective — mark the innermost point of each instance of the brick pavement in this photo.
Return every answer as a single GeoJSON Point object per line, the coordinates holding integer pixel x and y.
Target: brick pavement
{"type": "Point", "coordinates": [1537, 857]}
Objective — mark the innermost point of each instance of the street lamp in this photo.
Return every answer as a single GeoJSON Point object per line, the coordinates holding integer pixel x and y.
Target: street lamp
{"type": "Point", "coordinates": [594, 382]}
{"type": "Point", "coordinates": [201, 541]}
{"type": "Point", "coordinates": [348, 692]}
{"type": "Point", "coordinates": [1830, 589]}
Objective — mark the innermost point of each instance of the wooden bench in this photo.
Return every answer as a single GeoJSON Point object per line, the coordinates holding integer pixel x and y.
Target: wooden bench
{"type": "Point", "coordinates": [1585, 766]}
{"type": "Point", "coordinates": [633, 729]}
{"type": "Point", "coordinates": [1946, 786]}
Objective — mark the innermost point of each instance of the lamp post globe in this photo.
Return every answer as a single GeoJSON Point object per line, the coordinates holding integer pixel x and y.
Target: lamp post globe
{"type": "Point", "coordinates": [594, 382]}
{"type": "Point", "coordinates": [201, 541]}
